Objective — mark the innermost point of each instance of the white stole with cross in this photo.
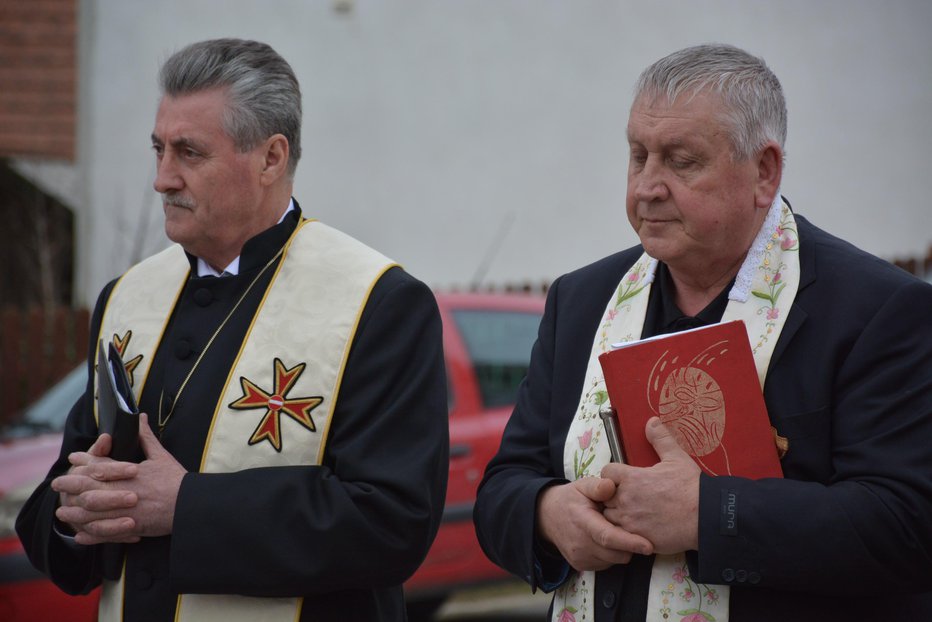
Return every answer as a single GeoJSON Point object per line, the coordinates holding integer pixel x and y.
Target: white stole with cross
{"type": "Point", "coordinates": [296, 347]}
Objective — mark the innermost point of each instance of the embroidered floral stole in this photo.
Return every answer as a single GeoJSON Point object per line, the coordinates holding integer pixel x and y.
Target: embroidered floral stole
{"type": "Point", "coordinates": [762, 295]}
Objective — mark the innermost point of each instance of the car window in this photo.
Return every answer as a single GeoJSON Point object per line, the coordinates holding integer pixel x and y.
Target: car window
{"type": "Point", "coordinates": [499, 345]}
{"type": "Point", "coordinates": [50, 411]}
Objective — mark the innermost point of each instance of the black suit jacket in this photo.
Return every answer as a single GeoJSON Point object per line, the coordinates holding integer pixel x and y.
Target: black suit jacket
{"type": "Point", "coordinates": [848, 532]}
{"type": "Point", "coordinates": [346, 534]}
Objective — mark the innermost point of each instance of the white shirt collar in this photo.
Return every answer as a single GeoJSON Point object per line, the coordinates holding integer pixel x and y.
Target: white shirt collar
{"type": "Point", "coordinates": [205, 269]}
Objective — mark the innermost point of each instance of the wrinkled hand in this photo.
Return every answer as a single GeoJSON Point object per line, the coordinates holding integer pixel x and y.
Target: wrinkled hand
{"type": "Point", "coordinates": [108, 501]}
{"type": "Point", "coordinates": [90, 485]}
{"type": "Point", "coordinates": [661, 502]}
{"type": "Point", "coordinates": [569, 516]}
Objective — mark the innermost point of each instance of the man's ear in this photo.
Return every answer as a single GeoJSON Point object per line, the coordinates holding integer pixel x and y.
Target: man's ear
{"type": "Point", "coordinates": [274, 159]}
{"type": "Point", "coordinates": [769, 174]}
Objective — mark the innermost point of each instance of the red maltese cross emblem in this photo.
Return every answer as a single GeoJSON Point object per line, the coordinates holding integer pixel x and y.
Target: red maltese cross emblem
{"type": "Point", "coordinates": [276, 403]}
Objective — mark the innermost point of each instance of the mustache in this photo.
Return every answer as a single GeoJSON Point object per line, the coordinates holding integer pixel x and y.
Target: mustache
{"type": "Point", "coordinates": [178, 200]}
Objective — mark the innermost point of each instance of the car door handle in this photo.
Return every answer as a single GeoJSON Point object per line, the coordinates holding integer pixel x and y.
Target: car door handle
{"type": "Point", "coordinates": [460, 450]}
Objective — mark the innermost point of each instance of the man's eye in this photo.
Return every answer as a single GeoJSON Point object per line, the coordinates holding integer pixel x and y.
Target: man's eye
{"type": "Point", "coordinates": [681, 163]}
{"type": "Point", "coordinates": [159, 150]}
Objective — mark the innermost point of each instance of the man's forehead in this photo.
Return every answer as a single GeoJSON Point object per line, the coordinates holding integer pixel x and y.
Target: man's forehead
{"type": "Point", "coordinates": [675, 122]}
{"type": "Point", "coordinates": [179, 136]}
{"type": "Point", "coordinates": [192, 118]}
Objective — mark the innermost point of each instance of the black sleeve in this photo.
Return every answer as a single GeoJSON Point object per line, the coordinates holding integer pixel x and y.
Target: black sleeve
{"type": "Point", "coordinates": [866, 530]}
{"type": "Point", "coordinates": [73, 568]}
{"type": "Point", "coordinates": [368, 514]}
{"type": "Point", "coordinates": [506, 502]}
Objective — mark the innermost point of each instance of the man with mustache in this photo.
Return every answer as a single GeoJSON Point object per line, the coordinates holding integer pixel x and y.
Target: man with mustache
{"type": "Point", "coordinates": [843, 346]}
{"type": "Point", "coordinates": [294, 442]}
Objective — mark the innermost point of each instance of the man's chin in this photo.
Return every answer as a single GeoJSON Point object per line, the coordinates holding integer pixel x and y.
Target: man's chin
{"type": "Point", "coordinates": [176, 232]}
{"type": "Point", "coordinates": [658, 248]}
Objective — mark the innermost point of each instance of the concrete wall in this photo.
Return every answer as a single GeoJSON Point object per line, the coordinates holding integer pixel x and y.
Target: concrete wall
{"type": "Point", "coordinates": [436, 128]}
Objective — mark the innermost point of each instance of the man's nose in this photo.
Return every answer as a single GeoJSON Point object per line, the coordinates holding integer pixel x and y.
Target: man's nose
{"type": "Point", "coordinates": [650, 182]}
{"type": "Point", "coordinates": [167, 177]}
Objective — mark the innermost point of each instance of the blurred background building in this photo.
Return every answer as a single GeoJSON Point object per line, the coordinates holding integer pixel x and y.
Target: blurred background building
{"type": "Point", "coordinates": [475, 142]}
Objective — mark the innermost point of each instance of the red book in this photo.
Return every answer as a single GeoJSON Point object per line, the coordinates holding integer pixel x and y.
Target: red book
{"type": "Point", "coordinates": [703, 385]}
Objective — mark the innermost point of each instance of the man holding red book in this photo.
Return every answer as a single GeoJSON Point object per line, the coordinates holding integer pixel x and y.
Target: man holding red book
{"type": "Point", "coordinates": [842, 346]}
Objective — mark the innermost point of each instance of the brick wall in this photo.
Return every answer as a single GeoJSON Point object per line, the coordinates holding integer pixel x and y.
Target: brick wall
{"type": "Point", "coordinates": [38, 87]}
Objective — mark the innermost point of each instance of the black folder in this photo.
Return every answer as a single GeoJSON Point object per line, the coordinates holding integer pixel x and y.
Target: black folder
{"type": "Point", "coordinates": [117, 412]}
{"type": "Point", "coordinates": [118, 416]}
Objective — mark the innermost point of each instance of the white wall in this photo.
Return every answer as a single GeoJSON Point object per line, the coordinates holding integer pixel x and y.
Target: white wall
{"type": "Point", "coordinates": [431, 126]}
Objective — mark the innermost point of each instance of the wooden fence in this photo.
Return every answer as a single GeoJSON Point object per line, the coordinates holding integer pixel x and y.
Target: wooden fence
{"type": "Point", "coordinates": [37, 348]}
{"type": "Point", "coordinates": [920, 266]}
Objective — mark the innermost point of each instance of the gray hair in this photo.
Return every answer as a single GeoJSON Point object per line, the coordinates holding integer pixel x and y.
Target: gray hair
{"type": "Point", "coordinates": [264, 96]}
{"type": "Point", "coordinates": [754, 106]}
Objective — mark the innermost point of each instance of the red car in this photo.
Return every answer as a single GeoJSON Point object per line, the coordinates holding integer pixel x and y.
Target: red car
{"type": "Point", "coordinates": [27, 451]}
{"type": "Point", "coordinates": [487, 343]}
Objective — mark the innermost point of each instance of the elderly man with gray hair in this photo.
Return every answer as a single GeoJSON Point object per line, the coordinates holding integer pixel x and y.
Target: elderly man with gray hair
{"type": "Point", "coordinates": [842, 343]}
{"type": "Point", "coordinates": [293, 450]}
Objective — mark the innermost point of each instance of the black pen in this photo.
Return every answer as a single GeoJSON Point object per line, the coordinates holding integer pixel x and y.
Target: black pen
{"type": "Point", "coordinates": [610, 421]}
